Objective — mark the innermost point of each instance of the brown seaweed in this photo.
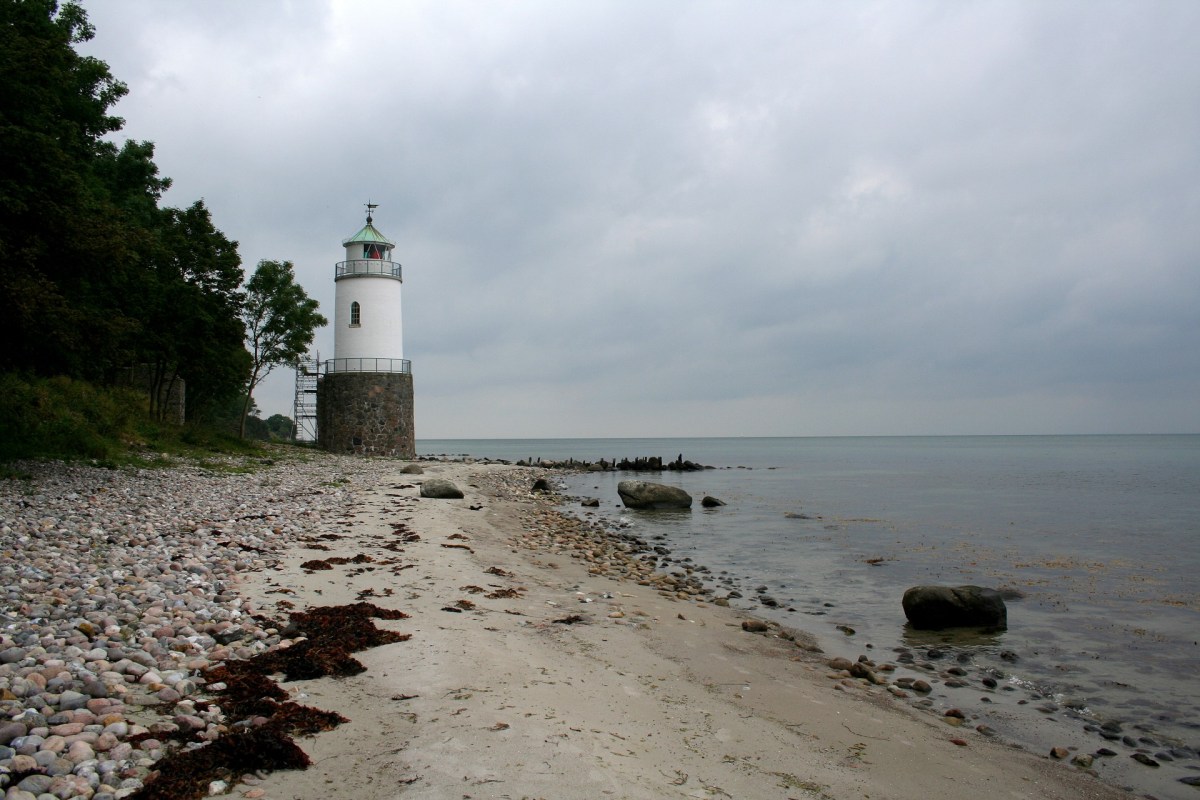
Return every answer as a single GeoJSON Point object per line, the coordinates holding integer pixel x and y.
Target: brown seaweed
{"type": "Point", "coordinates": [250, 696]}
{"type": "Point", "coordinates": [188, 773]}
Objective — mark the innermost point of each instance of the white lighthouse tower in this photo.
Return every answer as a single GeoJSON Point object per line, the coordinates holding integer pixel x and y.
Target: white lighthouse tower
{"type": "Point", "coordinates": [367, 318]}
{"type": "Point", "coordinates": [365, 396]}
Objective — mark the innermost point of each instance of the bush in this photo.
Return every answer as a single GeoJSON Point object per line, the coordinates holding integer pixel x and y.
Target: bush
{"type": "Point", "coordinates": [65, 418]}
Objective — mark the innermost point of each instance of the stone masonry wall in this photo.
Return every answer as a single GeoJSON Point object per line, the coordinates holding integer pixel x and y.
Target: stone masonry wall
{"type": "Point", "coordinates": [366, 413]}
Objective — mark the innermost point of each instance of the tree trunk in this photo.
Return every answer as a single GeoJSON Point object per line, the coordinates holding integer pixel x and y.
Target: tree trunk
{"type": "Point", "coordinates": [246, 406]}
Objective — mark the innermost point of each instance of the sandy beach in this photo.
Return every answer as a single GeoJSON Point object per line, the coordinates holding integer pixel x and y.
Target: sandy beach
{"type": "Point", "coordinates": [530, 675]}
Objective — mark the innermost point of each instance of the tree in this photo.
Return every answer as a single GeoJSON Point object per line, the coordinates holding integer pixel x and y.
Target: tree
{"type": "Point", "coordinates": [280, 427]}
{"type": "Point", "coordinates": [62, 242]}
{"type": "Point", "coordinates": [96, 277]}
{"type": "Point", "coordinates": [280, 320]}
{"type": "Point", "coordinates": [192, 308]}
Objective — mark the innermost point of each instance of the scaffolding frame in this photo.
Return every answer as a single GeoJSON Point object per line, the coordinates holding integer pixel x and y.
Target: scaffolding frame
{"type": "Point", "coordinates": [304, 408]}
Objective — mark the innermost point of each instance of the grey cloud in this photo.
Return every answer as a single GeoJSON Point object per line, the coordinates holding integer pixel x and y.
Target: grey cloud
{"type": "Point", "coordinates": [927, 213]}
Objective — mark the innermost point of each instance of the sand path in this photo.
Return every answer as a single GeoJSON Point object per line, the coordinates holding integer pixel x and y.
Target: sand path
{"type": "Point", "coordinates": [646, 697]}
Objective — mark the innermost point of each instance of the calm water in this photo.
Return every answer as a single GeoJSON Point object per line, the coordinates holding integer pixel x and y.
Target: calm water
{"type": "Point", "coordinates": [1101, 534]}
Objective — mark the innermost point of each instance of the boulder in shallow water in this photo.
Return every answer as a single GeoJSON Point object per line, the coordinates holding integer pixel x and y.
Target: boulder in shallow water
{"type": "Point", "coordinates": [711, 502]}
{"type": "Point", "coordinates": [441, 489]}
{"type": "Point", "coordinates": [937, 607]}
{"type": "Point", "coordinates": [644, 494]}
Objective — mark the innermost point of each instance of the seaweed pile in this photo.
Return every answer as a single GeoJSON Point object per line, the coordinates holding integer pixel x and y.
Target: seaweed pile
{"type": "Point", "coordinates": [261, 718]}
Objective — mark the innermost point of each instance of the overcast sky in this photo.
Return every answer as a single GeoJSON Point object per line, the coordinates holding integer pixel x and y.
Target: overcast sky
{"type": "Point", "coordinates": [653, 218]}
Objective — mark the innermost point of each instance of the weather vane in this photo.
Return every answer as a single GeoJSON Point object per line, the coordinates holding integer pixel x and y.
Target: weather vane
{"type": "Point", "coordinates": [370, 210]}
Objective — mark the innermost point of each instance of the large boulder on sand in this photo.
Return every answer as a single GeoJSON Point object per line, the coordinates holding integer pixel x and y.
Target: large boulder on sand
{"type": "Point", "coordinates": [932, 608]}
{"type": "Point", "coordinates": [644, 494]}
{"type": "Point", "coordinates": [441, 489]}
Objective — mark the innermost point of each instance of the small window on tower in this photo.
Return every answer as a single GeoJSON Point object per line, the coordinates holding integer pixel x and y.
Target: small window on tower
{"type": "Point", "coordinates": [355, 314]}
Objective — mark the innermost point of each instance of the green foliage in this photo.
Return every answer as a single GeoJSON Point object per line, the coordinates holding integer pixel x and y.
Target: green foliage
{"type": "Point", "coordinates": [56, 212]}
{"type": "Point", "coordinates": [97, 276]}
{"type": "Point", "coordinates": [99, 279]}
{"type": "Point", "coordinates": [64, 418]}
{"type": "Point", "coordinates": [191, 311]}
{"type": "Point", "coordinates": [280, 427]}
{"type": "Point", "coordinates": [280, 320]}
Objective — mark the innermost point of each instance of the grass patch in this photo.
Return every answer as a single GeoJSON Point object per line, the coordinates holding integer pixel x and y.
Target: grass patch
{"type": "Point", "coordinates": [65, 419]}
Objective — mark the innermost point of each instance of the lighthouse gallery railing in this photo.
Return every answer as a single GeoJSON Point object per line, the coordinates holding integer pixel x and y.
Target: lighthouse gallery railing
{"type": "Point", "coordinates": [367, 365]}
{"type": "Point", "coordinates": [367, 266]}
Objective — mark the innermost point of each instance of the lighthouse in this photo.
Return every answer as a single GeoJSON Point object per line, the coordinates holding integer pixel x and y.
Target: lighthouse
{"type": "Point", "coordinates": [365, 392]}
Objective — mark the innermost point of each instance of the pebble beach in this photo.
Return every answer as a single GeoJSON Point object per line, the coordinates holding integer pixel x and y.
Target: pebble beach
{"type": "Point", "coordinates": [547, 657]}
{"type": "Point", "coordinates": [120, 588]}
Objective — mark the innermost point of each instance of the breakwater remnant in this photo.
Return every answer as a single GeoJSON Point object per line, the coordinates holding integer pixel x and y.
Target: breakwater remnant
{"type": "Point", "coordinates": [639, 464]}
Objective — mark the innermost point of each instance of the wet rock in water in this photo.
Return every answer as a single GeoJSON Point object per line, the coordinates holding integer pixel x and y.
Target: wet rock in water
{"type": "Point", "coordinates": [921, 686]}
{"type": "Point", "coordinates": [840, 663]}
{"type": "Point", "coordinates": [711, 502]}
{"type": "Point", "coordinates": [541, 485]}
{"type": "Point", "coordinates": [440, 489]}
{"type": "Point", "coordinates": [1191, 780]}
{"type": "Point", "coordinates": [1142, 758]}
{"type": "Point", "coordinates": [590, 502]}
{"type": "Point", "coordinates": [755, 626]}
{"type": "Point", "coordinates": [647, 495]}
{"type": "Point", "coordinates": [938, 607]}
{"type": "Point", "coordinates": [1104, 752]}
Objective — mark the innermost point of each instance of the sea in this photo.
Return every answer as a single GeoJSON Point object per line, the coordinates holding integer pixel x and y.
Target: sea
{"type": "Point", "coordinates": [1095, 538]}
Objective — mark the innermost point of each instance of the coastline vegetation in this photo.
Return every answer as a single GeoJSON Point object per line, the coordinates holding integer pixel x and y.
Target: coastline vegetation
{"type": "Point", "coordinates": [68, 419]}
{"type": "Point", "coordinates": [116, 301]}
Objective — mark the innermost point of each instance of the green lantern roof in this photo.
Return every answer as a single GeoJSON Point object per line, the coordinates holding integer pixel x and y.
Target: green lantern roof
{"type": "Point", "coordinates": [368, 234]}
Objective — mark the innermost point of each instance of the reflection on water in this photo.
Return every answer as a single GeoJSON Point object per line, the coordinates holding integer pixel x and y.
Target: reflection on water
{"type": "Point", "coordinates": [958, 638]}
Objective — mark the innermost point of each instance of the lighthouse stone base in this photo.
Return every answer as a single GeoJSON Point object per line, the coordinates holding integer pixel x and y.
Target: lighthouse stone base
{"type": "Point", "coordinates": [366, 413]}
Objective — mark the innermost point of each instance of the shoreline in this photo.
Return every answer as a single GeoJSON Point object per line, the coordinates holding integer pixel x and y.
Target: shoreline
{"type": "Point", "coordinates": [1040, 693]}
{"type": "Point", "coordinates": [531, 673]}
{"type": "Point", "coordinates": [579, 684]}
